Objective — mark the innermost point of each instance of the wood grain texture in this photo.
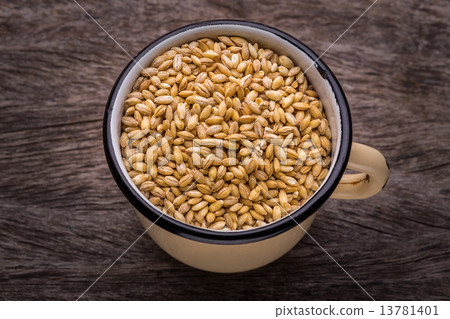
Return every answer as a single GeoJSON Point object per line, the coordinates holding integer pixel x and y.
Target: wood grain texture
{"type": "Point", "coordinates": [63, 220]}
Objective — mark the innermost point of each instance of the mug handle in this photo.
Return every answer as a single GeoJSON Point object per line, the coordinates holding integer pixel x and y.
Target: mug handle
{"type": "Point", "coordinates": [374, 174]}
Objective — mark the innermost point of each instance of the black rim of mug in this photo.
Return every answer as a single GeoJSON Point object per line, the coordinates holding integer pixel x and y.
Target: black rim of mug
{"type": "Point", "coordinates": [242, 236]}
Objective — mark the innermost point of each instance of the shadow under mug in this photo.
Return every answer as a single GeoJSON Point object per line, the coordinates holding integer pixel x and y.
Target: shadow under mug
{"type": "Point", "coordinates": [242, 250]}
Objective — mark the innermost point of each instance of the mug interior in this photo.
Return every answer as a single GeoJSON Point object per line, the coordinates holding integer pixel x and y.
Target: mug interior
{"type": "Point", "coordinates": [316, 75]}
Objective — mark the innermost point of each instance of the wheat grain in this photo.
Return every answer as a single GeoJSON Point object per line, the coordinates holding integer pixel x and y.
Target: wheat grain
{"type": "Point", "coordinates": [220, 133]}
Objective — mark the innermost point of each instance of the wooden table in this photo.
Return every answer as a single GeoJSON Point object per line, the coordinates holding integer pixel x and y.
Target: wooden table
{"type": "Point", "coordinates": [63, 220]}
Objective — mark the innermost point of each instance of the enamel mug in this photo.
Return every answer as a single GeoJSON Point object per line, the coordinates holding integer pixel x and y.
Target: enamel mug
{"type": "Point", "coordinates": [242, 250]}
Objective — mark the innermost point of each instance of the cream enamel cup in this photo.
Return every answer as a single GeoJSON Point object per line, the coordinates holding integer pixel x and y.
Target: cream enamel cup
{"type": "Point", "coordinates": [237, 251]}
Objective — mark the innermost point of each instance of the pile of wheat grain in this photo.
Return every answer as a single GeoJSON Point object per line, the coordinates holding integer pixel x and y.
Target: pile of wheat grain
{"type": "Point", "coordinates": [225, 135]}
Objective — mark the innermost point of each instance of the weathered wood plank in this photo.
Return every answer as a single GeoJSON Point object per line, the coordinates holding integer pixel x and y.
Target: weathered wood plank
{"type": "Point", "coordinates": [63, 219]}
